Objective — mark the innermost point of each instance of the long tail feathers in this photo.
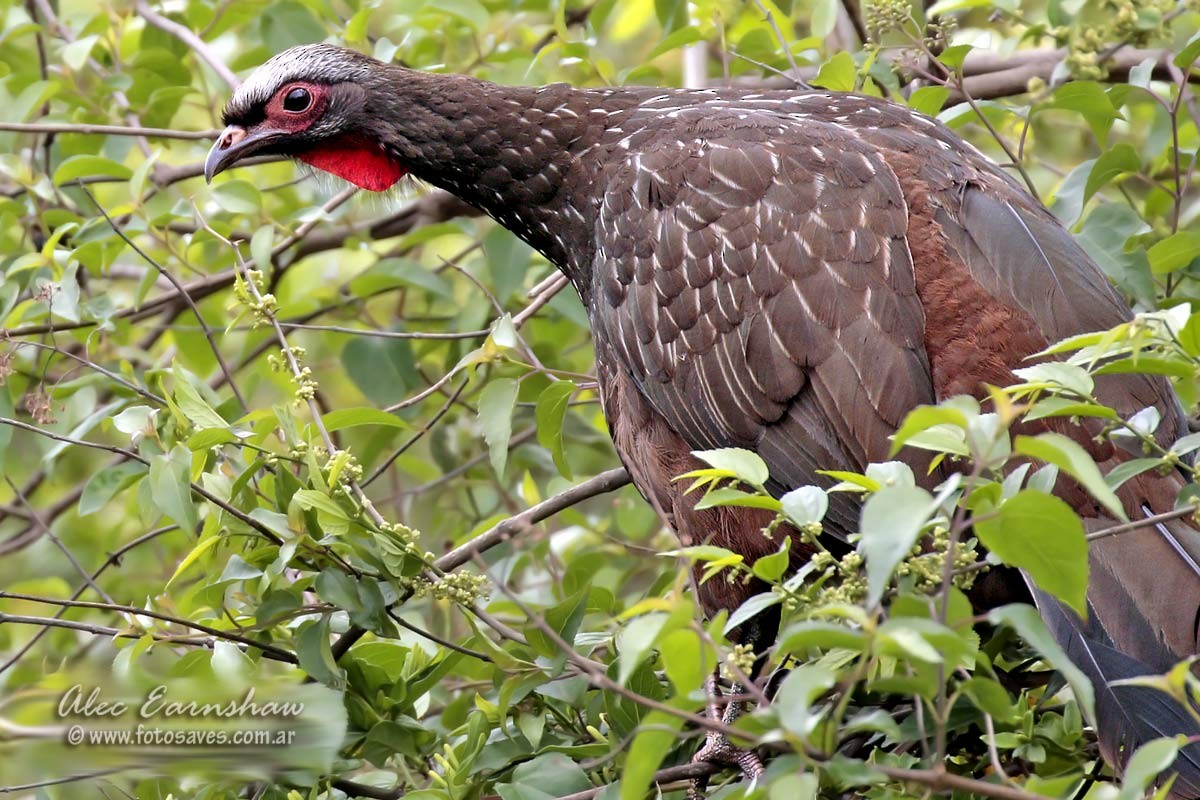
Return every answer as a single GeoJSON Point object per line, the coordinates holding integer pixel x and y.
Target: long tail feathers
{"type": "Point", "coordinates": [1126, 716]}
{"type": "Point", "coordinates": [1143, 603]}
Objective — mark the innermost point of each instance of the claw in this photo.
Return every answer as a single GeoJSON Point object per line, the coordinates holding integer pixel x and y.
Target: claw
{"type": "Point", "coordinates": [719, 750]}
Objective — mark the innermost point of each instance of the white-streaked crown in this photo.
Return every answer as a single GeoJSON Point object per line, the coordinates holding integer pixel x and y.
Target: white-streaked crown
{"type": "Point", "coordinates": [313, 63]}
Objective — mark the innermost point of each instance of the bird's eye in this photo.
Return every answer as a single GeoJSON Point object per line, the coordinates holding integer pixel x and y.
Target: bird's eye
{"type": "Point", "coordinates": [297, 100]}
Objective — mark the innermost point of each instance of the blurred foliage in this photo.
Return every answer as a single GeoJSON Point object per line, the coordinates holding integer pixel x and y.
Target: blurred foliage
{"type": "Point", "coordinates": [229, 507]}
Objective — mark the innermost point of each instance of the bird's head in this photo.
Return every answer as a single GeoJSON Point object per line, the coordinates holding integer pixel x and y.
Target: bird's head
{"type": "Point", "coordinates": [312, 103]}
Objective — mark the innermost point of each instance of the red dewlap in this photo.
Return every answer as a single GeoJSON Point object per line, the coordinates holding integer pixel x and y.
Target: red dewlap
{"type": "Point", "coordinates": [361, 162]}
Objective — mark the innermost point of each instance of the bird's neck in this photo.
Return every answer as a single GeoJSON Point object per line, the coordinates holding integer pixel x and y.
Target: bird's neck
{"type": "Point", "coordinates": [513, 152]}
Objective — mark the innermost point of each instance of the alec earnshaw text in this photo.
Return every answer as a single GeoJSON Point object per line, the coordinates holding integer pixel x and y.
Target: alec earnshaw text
{"type": "Point", "coordinates": [156, 704]}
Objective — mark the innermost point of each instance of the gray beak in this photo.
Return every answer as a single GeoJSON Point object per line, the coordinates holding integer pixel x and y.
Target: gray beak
{"type": "Point", "coordinates": [234, 144]}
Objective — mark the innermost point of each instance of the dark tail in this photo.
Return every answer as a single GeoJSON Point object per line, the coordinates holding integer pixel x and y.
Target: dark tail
{"type": "Point", "coordinates": [1143, 612]}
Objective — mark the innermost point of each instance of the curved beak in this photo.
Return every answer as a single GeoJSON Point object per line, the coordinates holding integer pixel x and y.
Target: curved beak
{"type": "Point", "coordinates": [234, 144]}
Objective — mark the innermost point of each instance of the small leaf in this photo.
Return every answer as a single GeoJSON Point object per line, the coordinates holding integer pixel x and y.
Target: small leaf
{"type": "Point", "coordinates": [102, 486]}
{"type": "Point", "coordinates": [929, 100]}
{"type": "Point", "coordinates": [743, 464]}
{"type": "Point", "coordinates": [496, 403]}
{"type": "Point", "coordinates": [892, 520]}
{"type": "Point", "coordinates": [1067, 455]}
{"type": "Point", "coordinates": [823, 17]}
{"type": "Point", "coordinates": [170, 486]}
{"type": "Point", "coordinates": [1040, 534]}
{"type": "Point", "coordinates": [675, 40]}
{"type": "Point", "coordinates": [88, 166]}
{"type": "Point", "coordinates": [771, 567]}
{"type": "Point", "coordinates": [1174, 252]}
{"type": "Point", "coordinates": [354, 417]}
{"type": "Point", "coordinates": [837, 74]}
{"type": "Point", "coordinates": [752, 608]}
{"type": "Point", "coordinates": [1145, 765]}
{"type": "Point", "coordinates": [1189, 52]}
{"type": "Point", "coordinates": [195, 407]}
{"type": "Point", "coordinates": [805, 505]}
{"type": "Point", "coordinates": [655, 737]}
{"type": "Point", "coordinates": [135, 420]}
{"type": "Point", "coordinates": [1120, 159]}
{"type": "Point", "coordinates": [799, 690]}
{"type": "Point", "coordinates": [315, 654]}
{"type": "Point", "coordinates": [551, 412]}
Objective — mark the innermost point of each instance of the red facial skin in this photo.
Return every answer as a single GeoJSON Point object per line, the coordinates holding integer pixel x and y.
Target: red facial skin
{"type": "Point", "coordinates": [356, 159]}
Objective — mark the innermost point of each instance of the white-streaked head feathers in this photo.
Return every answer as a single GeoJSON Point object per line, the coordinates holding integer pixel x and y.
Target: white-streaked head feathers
{"type": "Point", "coordinates": [312, 63]}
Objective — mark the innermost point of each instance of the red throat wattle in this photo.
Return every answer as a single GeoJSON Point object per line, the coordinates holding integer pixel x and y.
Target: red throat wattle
{"type": "Point", "coordinates": [360, 161]}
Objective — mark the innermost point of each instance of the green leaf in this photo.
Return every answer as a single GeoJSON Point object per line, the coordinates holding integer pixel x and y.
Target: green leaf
{"type": "Point", "coordinates": [1089, 99]}
{"type": "Point", "coordinates": [954, 55]}
{"type": "Point", "coordinates": [338, 588]}
{"type": "Point", "coordinates": [88, 166]}
{"type": "Point", "coordinates": [310, 499]}
{"type": "Point", "coordinates": [989, 697]}
{"type": "Point", "coordinates": [170, 486]}
{"type": "Point", "coordinates": [797, 693]}
{"type": "Point", "coordinates": [824, 17]}
{"type": "Point", "coordinates": [382, 369]}
{"type": "Point", "coordinates": [743, 464]}
{"type": "Point", "coordinates": [799, 638]}
{"type": "Point", "coordinates": [946, 6]}
{"type": "Point", "coordinates": [805, 505]}
{"type": "Point", "coordinates": [771, 567]}
{"type": "Point", "coordinates": [194, 407]}
{"type": "Point", "coordinates": [1067, 455]}
{"type": "Point", "coordinates": [1113, 162]}
{"type": "Point", "coordinates": [76, 54]}
{"type": "Point", "coordinates": [1188, 53]}
{"type": "Point", "coordinates": [315, 654]}
{"type": "Point", "coordinates": [686, 660]}
{"type": "Point", "coordinates": [837, 74]}
{"type": "Point", "coordinates": [1174, 252]}
{"type": "Point", "coordinates": [635, 642]}
{"type": "Point", "coordinates": [1104, 236]}
{"type": "Point", "coordinates": [1040, 534]}
{"type": "Point", "coordinates": [655, 738]}
{"type": "Point", "coordinates": [354, 417]}
{"type": "Point", "coordinates": [929, 100]}
{"type": "Point", "coordinates": [102, 486]}
{"type": "Point", "coordinates": [550, 413]}
{"type": "Point", "coordinates": [752, 608]}
{"type": "Point", "coordinates": [892, 520]}
{"type": "Point", "coordinates": [678, 38]}
{"type": "Point", "coordinates": [1152, 758]}
{"type": "Point", "coordinates": [330, 516]}
{"type": "Point", "coordinates": [736, 497]}
{"type": "Point", "coordinates": [923, 418]}
{"type": "Point", "coordinates": [496, 403]}
{"type": "Point", "coordinates": [1024, 619]}
{"type": "Point", "coordinates": [238, 197]}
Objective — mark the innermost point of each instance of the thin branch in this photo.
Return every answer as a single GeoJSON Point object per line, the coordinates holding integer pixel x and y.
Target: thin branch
{"type": "Point", "coordinates": [277, 653]}
{"type": "Point", "coordinates": [185, 35]}
{"type": "Point", "coordinates": [187, 298]}
{"type": "Point", "coordinates": [88, 129]}
{"type": "Point", "coordinates": [1145, 522]}
{"type": "Point", "coordinates": [504, 530]}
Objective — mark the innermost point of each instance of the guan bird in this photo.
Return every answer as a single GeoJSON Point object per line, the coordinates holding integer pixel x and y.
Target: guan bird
{"type": "Point", "coordinates": [789, 272]}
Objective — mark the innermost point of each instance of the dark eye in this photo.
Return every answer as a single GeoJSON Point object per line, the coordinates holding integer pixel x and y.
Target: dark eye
{"type": "Point", "coordinates": [297, 100]}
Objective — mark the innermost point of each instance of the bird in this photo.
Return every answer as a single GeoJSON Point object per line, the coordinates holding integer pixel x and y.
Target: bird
{"type": "Point", "coordinates": [787, 272]}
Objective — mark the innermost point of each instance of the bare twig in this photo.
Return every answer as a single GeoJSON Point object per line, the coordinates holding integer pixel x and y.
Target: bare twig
{"type": "Point", "coordinates": [89, 129]}
{"type": "Point", "coordinates": [185, 35]}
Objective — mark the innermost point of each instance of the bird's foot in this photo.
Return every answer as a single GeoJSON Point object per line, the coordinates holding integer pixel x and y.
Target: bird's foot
{"type": "Point", "coordinates": [717, 748]}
